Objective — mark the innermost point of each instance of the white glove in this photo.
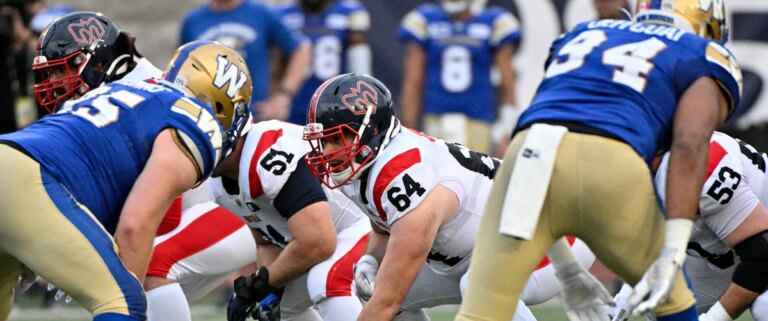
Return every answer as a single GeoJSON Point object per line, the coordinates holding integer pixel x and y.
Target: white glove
{"type": "Point", "coordinates": [505, 122]}
{"type": "Point", "coordinates": [365, 277]}
{"type": "Point", "coordinates": [584, 297]}
{"type": "Point", "coordinates": [716, 313]}
{"type": "Point", "coordinates": [658, 279]}
{"type": "Point", "coordinates": [619, 312]}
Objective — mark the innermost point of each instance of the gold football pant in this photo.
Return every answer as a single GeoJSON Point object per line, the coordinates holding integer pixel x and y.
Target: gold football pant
{"type": "Point", "coordinates": [601, 191]}
{"type": "Point", "coordinates": [44, 228]}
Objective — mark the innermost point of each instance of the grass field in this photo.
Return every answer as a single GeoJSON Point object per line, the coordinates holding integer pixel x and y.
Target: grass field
{"type": "Point", "coordinates": [544, 312]}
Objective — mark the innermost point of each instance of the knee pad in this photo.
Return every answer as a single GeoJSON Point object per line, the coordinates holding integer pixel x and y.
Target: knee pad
{"type": "Point", "coordinates": [750, 273]}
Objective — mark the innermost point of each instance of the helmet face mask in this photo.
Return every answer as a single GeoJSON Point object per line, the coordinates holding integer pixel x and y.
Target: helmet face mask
{"type": "Point", "coordinates": [338, 165]}
{"type": "Point", "coordinates": [349, 121]}
{"type": "Point", "coordinates": [58, 80]}
{"type": "Point", "coordinates": [79, 52]}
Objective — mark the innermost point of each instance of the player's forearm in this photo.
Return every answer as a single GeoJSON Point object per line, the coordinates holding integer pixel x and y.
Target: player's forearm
{"type": "Point", "coordinates": [296, 259]}
{"type": "Point", "coordinates": [411, 105]}
{"type": "Point", "coordinates": [507, 94]}
{"type": "Point", "coordinates": [413, 84]}
{"type": "Point", "coordinates": [406, 255]}
{"type": "Point", "coordinates": [396, 274]}
{"type": "Point", "coordinates": [377, 244]}
{"type": "Point", "coordinates": [687, 168]}
{"type": "Point", "coordinates": [135, 246]}
{"type": "Point", "coordinates": [737, 299]}
{"type": "Point", "coordinates": [296, 71]}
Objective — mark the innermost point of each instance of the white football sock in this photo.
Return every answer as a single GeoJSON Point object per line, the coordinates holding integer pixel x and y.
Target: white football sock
{"type": "Point", "coordinates": [167, 303]}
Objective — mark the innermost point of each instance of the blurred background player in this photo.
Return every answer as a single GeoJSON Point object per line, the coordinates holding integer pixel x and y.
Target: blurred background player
{"type": "Point", "coordinates": [103, 175]}
{"type": "Point", "coordinates": [337, 30]}
{"type": "Point", "coordinates": [615, 92]}
{"type": "Point", "coordinates": [251, 28]}
{"type": "Point", "coordinates": [424, 197]}
{"type": "Point", "coordinates": [450, 52]}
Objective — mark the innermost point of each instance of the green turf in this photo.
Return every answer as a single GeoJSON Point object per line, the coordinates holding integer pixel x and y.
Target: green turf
{"type": "Point", "coordinates": [208, 313]}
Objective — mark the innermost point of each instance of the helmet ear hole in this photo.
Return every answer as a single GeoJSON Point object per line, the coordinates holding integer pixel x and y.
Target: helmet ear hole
{"type": "Point", "coordinates": [219, 108]}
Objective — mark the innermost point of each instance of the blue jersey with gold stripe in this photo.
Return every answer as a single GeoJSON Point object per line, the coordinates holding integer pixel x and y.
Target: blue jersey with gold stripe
{"type": "Point", "coordinates": [625, 79]}
{"type": "Point", "coordinates": [460, 55]}
{"type": "Point", "coordinates": [329, 31]}
{"type": "Point", "coordinates": [97, 146]}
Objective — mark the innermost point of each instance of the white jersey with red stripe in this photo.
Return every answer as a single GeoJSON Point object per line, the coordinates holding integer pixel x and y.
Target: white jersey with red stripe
{"type": "Point", "coordinates": [407, 170]}
{"type": "Point", "coordinates": [272, 151]}
{"type": "Point", "coordinates": [736, 182]}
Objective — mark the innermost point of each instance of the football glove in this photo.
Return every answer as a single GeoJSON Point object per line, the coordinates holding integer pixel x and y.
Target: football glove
{"type": "Point", "coordinates": [584, 297]}
{"type": "Point", "coordinates": [365, 277]}
{"type": "Point", "coordinates": [255, 297]}
{"type": "Point", "coordinates": [268, 309]}
{"type": "Point", "coordinates": [657, 281]}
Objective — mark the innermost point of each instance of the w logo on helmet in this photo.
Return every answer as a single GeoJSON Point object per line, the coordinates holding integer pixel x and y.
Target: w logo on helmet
{"type": "Point", "coordinates": [360, 98]}
{"type": "Point", "coordinates": [228, 74]}
{"type": "Point", "coordinates": [86, 31]}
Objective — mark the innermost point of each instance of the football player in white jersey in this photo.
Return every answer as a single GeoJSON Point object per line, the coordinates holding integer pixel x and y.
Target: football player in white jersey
{"type": "Point", "coordinates": [309, 237]}
{"type": "Point", "coordinates": [424, 197]}
{"type": "Point", "coordinates": [727, 261]}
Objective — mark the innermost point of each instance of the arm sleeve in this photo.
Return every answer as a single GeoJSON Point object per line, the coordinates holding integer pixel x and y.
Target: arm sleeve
{"type": "Point", "coordinates": [301, 190]}
{"type": "Point", "coordinates": [413, 28]}
{"type": "Point", "coordinates": [280, 35]}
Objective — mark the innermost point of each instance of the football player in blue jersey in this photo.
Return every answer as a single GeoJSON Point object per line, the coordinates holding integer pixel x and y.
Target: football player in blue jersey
{"type": "Point", "coordinates": [450, 51]}
{"type": "Point", "coordinates": [339, 45]}
{"type": "Point", "coordinates": [252, 28]}
{"type": "Point", "coordinates": [614, 93]}
{"type": "Point", "coordinates": [110, 162]}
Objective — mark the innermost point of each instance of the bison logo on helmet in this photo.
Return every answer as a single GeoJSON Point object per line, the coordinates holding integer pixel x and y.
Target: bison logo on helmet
{"type": "Point", "coordinates": [360, 98]}
{"type": "Point", "coordinates": [86, 31]}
